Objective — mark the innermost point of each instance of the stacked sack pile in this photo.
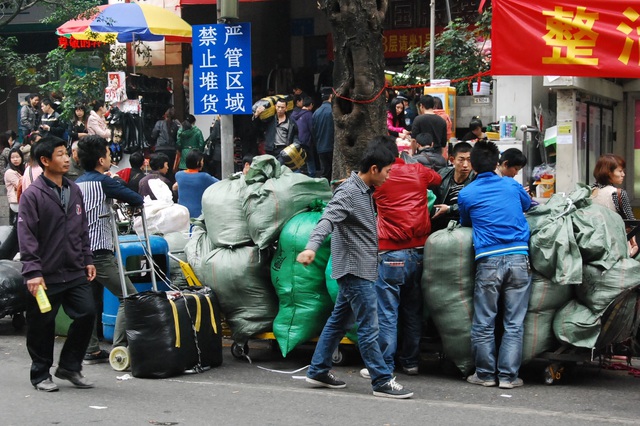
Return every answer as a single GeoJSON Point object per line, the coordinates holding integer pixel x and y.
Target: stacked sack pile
{"type": "Point", "coordinates": [580, 263]}
{"type": "Point", "coordinates": [232, 248]}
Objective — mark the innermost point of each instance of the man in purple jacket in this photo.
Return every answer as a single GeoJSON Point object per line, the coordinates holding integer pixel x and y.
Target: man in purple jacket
{"type": "Point", "coordinates": [56, 254]}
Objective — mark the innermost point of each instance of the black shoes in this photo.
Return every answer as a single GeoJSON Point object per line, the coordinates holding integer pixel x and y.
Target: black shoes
{"type": "Point", "coordinates": [326, 380]}
{"type": "Point", "coordinates": [46, 385]}
{"type": "Point", "coordinates": [392, 389]}
{"type": "Point", "coordinates": [100, 357]}
{"type": "Point", "coordinates": [74, 377]}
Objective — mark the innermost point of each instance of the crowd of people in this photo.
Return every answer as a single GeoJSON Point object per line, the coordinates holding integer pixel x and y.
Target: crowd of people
{"type": "Point", "coordinates": [378, 217]}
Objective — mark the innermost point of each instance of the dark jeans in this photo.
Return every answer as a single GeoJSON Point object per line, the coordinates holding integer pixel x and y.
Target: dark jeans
{"type": "Point", "coordinates": [326, 164]}
{"type": "Point", "coordinates": [77, 300]}
{"type": "Point", "coordinates": [357, 302]}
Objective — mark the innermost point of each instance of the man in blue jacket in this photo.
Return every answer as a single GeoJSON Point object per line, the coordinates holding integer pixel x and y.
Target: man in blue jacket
{"type": "Point", "coordinates": [494, 207]}
{"type": "Point", "coordinates": [56, 254]}
{"type": "Point", "coordinates": [323, 133]}
{"type": "Point", "coordinates": [99, 191]}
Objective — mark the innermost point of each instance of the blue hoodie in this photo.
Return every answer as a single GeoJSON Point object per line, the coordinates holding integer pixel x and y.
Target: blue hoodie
{"type": "Point", "coordinates": [495, 207]}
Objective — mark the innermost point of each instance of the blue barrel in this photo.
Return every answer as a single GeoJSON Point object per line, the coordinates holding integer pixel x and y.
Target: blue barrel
{"type": "Point", "coordinates": [132, 249]}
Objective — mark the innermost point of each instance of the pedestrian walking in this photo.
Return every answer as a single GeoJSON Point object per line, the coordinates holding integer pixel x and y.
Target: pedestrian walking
{"type": "Point", "coordinates": [350, 218]}
{"type": "Point", "coordinates": [56, 255]}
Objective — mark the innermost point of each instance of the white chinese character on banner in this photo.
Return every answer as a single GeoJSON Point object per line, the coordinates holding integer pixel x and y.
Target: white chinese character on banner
{"type": "Point", "coordinates": [233, 80]}
{"type": "Point", "coordinates": [232, 31]}
{"type": "Point", "coordinates": [207, 36]}
{"type": "Point", "coordinates": [235, 103]}
{"type": "Point", "coordinates": [209, 80]}
{"type": "Point", "coordinates": [208, 60]}
{"type": "Point", "coordinates": [233, 56]}
{"type": "Point", "coordinates": [209, 103]}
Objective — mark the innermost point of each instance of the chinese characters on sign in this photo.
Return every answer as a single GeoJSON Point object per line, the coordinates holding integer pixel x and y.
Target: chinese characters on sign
{"type": "Point", "coordinates": [398, 43]}
{"type": "Point", "coordinates": [595, 38]}
{"type": "Point", "coordinates": [222, 68]}
{"type": "Point", "coordinates": [72, 43]}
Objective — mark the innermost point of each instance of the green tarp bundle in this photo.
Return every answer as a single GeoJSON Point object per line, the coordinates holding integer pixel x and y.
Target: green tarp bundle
{"type": "Point", "coordinates": [223, 214]}
{"type": "Point", "coordinates": [274, 195]}
{"type": "Point", "coordinates": [575, 324]}
{"type": "Point", "coordinates": [448, 282]}
{"type": "Point", "coordinates": [240, 279]}
{"type": "Point", "coordinates": [546, 298]}
{"type": "Point", "coordinates": [197, 249]}
{"type": "Point", "coordinates": [304, 303]}
{"type": "Point", "coordinates": [600, 287]}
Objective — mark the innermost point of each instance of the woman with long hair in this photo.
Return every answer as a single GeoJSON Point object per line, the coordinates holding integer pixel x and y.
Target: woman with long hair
{"type": "Point", "coordinates": [96, 124]}
{"type": "Point", "coordinates": [78, 125]}
{"type": "Point", "coordinates": [5, 147]}
{"type": "Point", "coordinates": [396, 123]}
{"type": "Point", "coordinates": [609, 173]}
{"type": "Point", "coordinates": [12, 177]}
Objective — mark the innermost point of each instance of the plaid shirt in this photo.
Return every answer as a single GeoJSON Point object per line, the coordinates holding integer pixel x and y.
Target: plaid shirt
{"type": "Point", "coordinates": [351, 218]}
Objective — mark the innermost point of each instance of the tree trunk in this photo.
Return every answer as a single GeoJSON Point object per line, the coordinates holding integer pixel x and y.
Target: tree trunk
{"type": "Point", "coordinates": [358, 76]}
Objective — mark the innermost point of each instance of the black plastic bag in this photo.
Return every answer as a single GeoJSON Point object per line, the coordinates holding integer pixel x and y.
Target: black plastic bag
{"type": "Point", "coordinates": [13, 291]}
{"type": "Point", "coordinates": [160, 332]}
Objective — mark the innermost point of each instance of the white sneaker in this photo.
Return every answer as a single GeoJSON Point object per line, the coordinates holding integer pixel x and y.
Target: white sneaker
{"type": "Point", "coordinates": [365, 373]}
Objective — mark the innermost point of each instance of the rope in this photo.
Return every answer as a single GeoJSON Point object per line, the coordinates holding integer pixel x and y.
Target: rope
{"type": "Point", "coordinates": [477, 77]}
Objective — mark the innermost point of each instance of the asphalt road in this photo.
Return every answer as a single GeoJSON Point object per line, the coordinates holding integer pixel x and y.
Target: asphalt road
{"type": "Point", "coordinates": [246, 394]}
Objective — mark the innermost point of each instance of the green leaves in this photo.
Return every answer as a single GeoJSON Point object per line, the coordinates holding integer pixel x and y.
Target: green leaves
{"type": "Point", "coordinates": [458, 53]}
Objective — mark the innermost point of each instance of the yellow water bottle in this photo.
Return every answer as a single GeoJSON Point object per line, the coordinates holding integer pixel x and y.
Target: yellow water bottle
{"type": "Point", "coordinates": [43, 300]}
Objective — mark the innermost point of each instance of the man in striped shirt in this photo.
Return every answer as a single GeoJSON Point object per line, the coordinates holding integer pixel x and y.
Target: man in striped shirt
{"type": "Point", "coordinates": [350, 217]}
{"type": "Point", "coordinates": [98, 191]}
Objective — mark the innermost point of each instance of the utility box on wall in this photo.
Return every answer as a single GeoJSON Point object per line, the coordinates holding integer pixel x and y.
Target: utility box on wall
{"type": "Point", "coordinates": [448, 97]}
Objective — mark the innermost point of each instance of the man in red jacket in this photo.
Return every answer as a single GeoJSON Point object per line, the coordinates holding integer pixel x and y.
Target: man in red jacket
{"type": "Point", "coordinates": [403, 227]}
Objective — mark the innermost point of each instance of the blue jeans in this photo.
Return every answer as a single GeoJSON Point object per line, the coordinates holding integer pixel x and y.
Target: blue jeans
{"type": "Point", "coordinates": [506, 279]}
{"type": "Point", "coordinates": [356, 299]}
{"type": "Point", "coordinates": [400, 294]}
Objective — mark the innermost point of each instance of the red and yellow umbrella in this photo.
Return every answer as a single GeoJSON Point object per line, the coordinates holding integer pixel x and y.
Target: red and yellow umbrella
{"type": "Point", "coordinates": [127, 22]}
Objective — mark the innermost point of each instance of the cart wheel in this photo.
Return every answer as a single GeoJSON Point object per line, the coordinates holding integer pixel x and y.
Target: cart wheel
{"type": "Point", "coordinates": [552, 373]}
{"type": "Point", "coordinates": [18, 321]}
{"type": "Point", "coordinates": [239, 351]}
{"type": "Point", "coordinates": [119, 358]}
{"type": "Point", "coordinates": [339, 357]}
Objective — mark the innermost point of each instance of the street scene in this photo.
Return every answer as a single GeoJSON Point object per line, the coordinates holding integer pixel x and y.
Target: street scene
{"type": "Point", "coordinates": [337, 212]}
{"type": "Point", "coordinates": [239, 392]}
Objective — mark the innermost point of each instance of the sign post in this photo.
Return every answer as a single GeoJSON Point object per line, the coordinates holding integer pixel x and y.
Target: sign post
{"type": "Point", "coordinates": [222, 78]}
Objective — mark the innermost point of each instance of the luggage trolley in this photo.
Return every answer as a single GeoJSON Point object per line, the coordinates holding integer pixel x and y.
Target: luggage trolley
{"type": "Point", "coordinates": [119, 358]}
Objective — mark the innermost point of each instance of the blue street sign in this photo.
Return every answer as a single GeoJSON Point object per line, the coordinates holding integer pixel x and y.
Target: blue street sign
{"type": "Point", "coordinates": [222, 68]}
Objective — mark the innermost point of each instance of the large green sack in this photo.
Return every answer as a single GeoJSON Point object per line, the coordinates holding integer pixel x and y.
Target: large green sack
{"type": "Point", "coordinates": [448, 282]}
{"type": "Point", "coordinates": [197, 249]}
{"type": "Point", "coordinates": [553, 248]}
{"type": "Point", "coordinates": [240, 279]}
{"type": "Point", "coordinates": [600, 235]}
{"type": "Point", "coordinates": [546, 298]}
{"type": "Point", "coordinates": [599, 288]}
{"type": "Point", "coordinates": [223, 214]}
{"type": "Point", "coordinates": [576, 325]}
{"type": "Point", "coordinates": [304, 303]}
{"type": "Point", "coordinates": [333, 287]}
{"type": "Point", "coordinates": [274, 195]}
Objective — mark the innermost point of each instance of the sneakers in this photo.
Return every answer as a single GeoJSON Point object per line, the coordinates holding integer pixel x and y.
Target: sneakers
{"type": "Point", "coordinates": [46, 385]}
{"type": "Point", "coordinates": [475, 380]}
{"type": "Point", "coordinates": [410, 371]}
{"type": "Point", "coordinates": [365, 373]}
{"type": "Point", "coordinates": [392, 389]}
{"type": "Point", "coordinates": [74, 377]}
{"type": "Point", "coordinates": [100, 357]}
{"type": "Point", "coordinates": [510, 385]}
{"type": "Point", "coordinates": [326, 380]}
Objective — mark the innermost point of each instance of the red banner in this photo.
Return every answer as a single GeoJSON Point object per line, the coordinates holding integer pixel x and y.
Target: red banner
{"type": "Point", "coordinates": [588, 38]}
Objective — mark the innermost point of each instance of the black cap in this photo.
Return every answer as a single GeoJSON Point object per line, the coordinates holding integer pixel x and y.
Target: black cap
{"type": "Point", "coordinates": [326, 91]}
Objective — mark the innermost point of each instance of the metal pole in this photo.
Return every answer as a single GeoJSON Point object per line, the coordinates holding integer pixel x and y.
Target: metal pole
{"type": "Point", "coordinates": [432, 37]}
{"type": "Point", "coordinates": [448, 12]}
{"type": "Point", "coordinates": [226, 134]}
